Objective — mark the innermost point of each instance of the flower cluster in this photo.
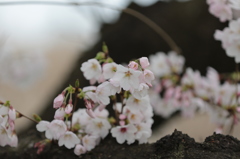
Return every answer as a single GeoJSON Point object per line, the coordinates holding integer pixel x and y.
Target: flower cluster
{"type": "Point", "coordinates": [230, 39]}
{"type": "Point", "coordinates": [167, 69]}
{"type": "Point", "coordinates": [123, 88]}
{"type": "Point", "coordinates": [225, 9]}
{"type": "Point", "coordinates": [7, 125]}
{"type": "Point", "coordinates": [192, 92]}
{"type": "Point", "coordinates": [221, 9]}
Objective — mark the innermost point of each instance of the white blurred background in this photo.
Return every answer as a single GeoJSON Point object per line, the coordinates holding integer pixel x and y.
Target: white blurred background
{"type": "Point", "coordinates": [39, 45]}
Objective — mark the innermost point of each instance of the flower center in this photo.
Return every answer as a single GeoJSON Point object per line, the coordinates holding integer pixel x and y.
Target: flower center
{"type": "Point", "coordinates": [123, 130]}
{"type": "Point", "coordinates": [128, 74]}
{"type": "Point", "coordinates": [99, 125]}
{"type": "Point", "coordinates": [94, 66]}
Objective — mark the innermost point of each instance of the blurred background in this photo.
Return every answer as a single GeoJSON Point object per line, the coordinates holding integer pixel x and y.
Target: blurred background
{"type": "Point", "coordinates": [42, 48]}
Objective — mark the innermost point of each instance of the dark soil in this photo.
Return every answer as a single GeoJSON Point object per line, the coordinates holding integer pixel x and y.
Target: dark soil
{"type": "Point", "coordinates": [175, 146]}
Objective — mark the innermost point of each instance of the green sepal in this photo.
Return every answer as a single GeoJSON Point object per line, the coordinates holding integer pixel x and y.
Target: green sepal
{"type": "Point", "coordinates": [37, 117]}
{"type": "Point", "coordinates": [77, 83]}
{"type": "Point", "coordinates": [105, 48]}
{"type": "Point", "coordinates": [100, 56]}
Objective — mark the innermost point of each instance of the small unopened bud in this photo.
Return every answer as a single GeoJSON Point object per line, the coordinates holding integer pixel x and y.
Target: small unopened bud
{"type": "Point", "coordinates": [109, 60]}
{"type": "Point", "coordinates": [7, 104]}
{"type": "Point", "coordinates": [68, 108]}
{"type": "Point", "coordinates": [144, 62]}
{"type": "Point", "coordinates": [58, 101]}
{"type": "Point", "coordinates": [12, 114]}
{"type": "Point", "coordinates": [133, 65]}
{"type": "Point", "coordinates": [122, 116]}
{"type": "Point", "coordinates": [59, 114]}
{"type": "Point", "coordinates": [37, 117]}
{"type": "Point", "coordinates": [100, 56]}
{"type": "Point", "coordinates": [112, 120]}
{"type": "Point", "coordinates": [77, 84]}
{"type": "Point", "coordinates": [105, 48]}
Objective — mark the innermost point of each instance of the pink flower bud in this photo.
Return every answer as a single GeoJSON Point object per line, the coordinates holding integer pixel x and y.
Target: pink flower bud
{"type": "Point", "coordinates": [122, 123]}
{"type": "Point", "coordinates": [144, 62]}
{"type": "Point", "coordinates": [133, 65]}
{"type": "Point", "coordinates": [68, 108]}
{"type": "Point", "coordinates": [12, 114]}
{"type": "Point", "coordinates": [58, 101]}
{"type": "Point", "coordinates": [122, 116]}
{"type": "Point", "coordinates": [59, 114]}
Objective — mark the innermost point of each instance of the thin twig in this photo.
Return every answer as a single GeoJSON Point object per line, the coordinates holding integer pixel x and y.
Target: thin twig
{"type": "Point", "coordinates": [22, 115]}
{"type": "Point", "coordinates": [129, 11]}
{"type": "Point", "coordinates": [74, 105]}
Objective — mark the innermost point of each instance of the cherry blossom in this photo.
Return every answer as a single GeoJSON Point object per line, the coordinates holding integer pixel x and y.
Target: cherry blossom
{"type": "Point", "coordinates": [98, 127]}
{"type": "Point", "coordinates": [143, 132]}
{"type": "Point", "coordinates": [176, 62]}
{"type": "Point", "coordinates": [163, 65]}
{"type": "Point", "coordinates": [4, 110]}
{"type": "Point", "coordinates": [80, 117]}
{"type": "Point", "coordinates": [103, 93]}
{"type": "Point", "coordinates": [148, 77]}
{"type": "Point", "coordinates": [159, 64]}
{"type": "Point", "coordinates": [56, 129]}
{"type": "Point", "coordinates": [89, 142]}
{"type": "Point", "coordinates": [138, 104]}
{"type": "Point", "coordinates": [127, 77]}
{"type": "Point", "coordinates": [79, 149]}
{"type": "Point", "coordinates": [4, 136]}
{"type": "Point", "coordinates": [235, 4]}
{"type": "Point", "coordinates": [43, 126]}
{"type": "Point", "coordinates": [91, 69]}
{"type": "Point", "coordinates": [141, 92]}
{"type": "Point", "coordinates": [220, 9]}
{"type": "Point", "coordinates": [69, 139]}
{"type": "Point", "coordinates": [124, 133]}
{"type": "Point", "coordinates": [109, 70]}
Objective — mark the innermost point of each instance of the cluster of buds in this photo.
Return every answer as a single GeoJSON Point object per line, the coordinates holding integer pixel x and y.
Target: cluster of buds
{"type": "Point", "coordinates": [7, 125]}
{"type": "Point", "coordinates": [191, 92]}
{"type": "Point", "coordinates": [123, 88]}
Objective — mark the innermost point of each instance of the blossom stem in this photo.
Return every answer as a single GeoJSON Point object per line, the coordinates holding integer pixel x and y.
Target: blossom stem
{"type": "Point", "coordinates": [26, 117]}
{"type": "Point", "coordinates": [129, 11]}
{"type": "Point", "coordinates": [74, 105]}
